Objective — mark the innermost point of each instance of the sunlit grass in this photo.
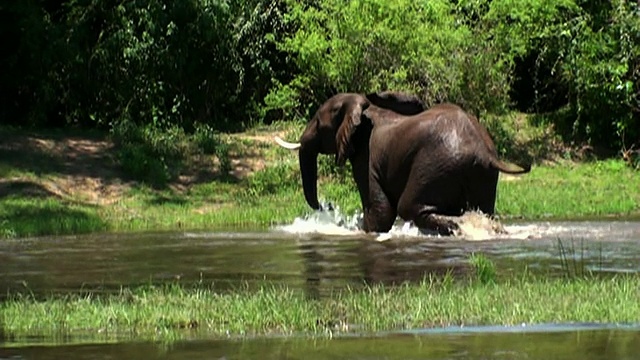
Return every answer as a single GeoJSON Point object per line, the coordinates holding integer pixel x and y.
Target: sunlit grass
{"type": "Point", "coordinates": [47, 216]}
{"type": "Point", "coordinates": [572, 190]}
{"type": "Point", "coordinates": [605, 188]}
{"type": "Point", "coordinates": [172, 310]}
{"type": "Point", "coordinates": [274, 195]}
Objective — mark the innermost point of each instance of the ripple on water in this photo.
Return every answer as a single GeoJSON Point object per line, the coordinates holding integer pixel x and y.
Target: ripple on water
{"type": "Point", "coordinates": [474, 226]}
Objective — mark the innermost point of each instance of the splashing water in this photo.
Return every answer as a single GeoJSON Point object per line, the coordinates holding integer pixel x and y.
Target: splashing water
{"type": "Point", "coordinates": [473, 226]}
{"type": "Point", "coordinates": [327, 222]}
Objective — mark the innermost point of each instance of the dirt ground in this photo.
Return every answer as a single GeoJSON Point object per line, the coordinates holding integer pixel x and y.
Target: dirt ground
{"type": "Point", "coordinates": [85, 168]}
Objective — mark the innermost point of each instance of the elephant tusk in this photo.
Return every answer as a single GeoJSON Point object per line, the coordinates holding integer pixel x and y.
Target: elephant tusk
{"type": "Point", "coordinates": [286, 144]}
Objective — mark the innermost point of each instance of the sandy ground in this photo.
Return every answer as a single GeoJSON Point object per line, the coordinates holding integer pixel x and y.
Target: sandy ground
{"type": "Point", "coordinates": [85, 168]}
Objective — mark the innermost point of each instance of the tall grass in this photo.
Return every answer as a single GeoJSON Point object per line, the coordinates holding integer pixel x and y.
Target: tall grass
{"type": "Point", "coordinates": [170, 310]}
{"type": "Point", "coordinates": [274, 196]}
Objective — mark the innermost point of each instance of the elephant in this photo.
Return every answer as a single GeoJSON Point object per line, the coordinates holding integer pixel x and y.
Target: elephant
{"type": "Point", "coordinates": [427, 166]}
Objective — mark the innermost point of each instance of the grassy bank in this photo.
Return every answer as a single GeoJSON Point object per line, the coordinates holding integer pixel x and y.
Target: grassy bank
{"type": "Point", "coordinates": [172, 311]}
{"type": "Point", "coordinates": [74, 185]}
{"type": "Point", "coordinates": [572, 190]}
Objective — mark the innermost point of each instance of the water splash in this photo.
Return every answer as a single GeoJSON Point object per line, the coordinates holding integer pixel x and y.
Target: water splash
{"type": "Point", "coordinates": [473, 226]}
{"type": "Point", "coordinates": [477, 226]}
{"type": "Point", "coordinates": [326, 222]}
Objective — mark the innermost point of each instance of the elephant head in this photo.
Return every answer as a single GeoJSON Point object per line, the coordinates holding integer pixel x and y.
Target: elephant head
{"type": "Point", "coordinates": [331, 130]}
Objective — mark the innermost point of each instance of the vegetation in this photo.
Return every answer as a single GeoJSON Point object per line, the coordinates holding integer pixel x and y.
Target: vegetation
{"type": "Point", "coordinates": [168, 80]}
{"type": "Point", "coordinates": [33, 204]}
{"type": "Point", "coordinates": [126, 115]}
{"type": "Point", "coordinates": [158, 72]}
{"type": "Point", "coordinates": [571, 190]}
{"type": "Point", "coordinates": [63, 190]}
{"type": "Point", "coordinates": [170, 311]}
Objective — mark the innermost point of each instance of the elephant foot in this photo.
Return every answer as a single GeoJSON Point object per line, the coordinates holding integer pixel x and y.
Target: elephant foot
{"type": "Point", "coordinates": [442, 225]}
{"type": "Point", "coordinates": [498, 228]}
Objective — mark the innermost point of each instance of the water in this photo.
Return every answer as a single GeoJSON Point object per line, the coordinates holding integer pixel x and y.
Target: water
{"type": "Point", "coordinates": [578, 342]}
{"type": "Point", "coordinates": [314, 256]}
{"type": "Point", "coordinates": [318, 255]}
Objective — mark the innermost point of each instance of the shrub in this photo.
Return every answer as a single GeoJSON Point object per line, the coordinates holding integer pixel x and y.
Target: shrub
{"type": "Point", "coordinates": [274, 179]}
{"type": "Point", "coordinates": [369, 45]}
{"type": "Point", "coordinates": [604, 73]}
{"type": "Point", "coordinates": [93, 62]}
{"type": "Point", "coordinates": [578, 53]}
{"type": "Point", "coordinates": [151, 153]}
{"type": "Point", "coordinates": [231, 63]}
{"type": "Point", "coordinates": [209, 141]}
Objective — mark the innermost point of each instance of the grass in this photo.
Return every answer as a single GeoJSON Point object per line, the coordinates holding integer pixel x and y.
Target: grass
{"type": "Point", "coordinates": [547, 192]}
{"type": "Point", "coordinates": [30, 204]}
{"type": "Point", "coordinates": [173, 311]}
{"type": "Point", "coordinates": [20, 217]}
{"type": "Point", "coordinates": [572, 190]}
{"type": "Point", "coordinates": [605, 188]}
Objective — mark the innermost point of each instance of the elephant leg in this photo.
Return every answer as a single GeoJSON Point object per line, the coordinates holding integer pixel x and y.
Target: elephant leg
{"type": "Point", "coordinates": [379, 215]}
{"type": "Point", "coordinates": [432, 204]}
{"type": "Point", "coordinates": [481, 190]}
{"type": "Point", "coordinates": [429, 218]}
{"type": "Point", "coordinates": [360, 170]}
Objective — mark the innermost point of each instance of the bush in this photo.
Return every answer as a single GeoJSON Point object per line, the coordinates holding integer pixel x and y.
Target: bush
{"type": "Point", "coordinates": [151, 153]}
{"type": "Point", "coordinates": [574, 53]}
{"type": "Point", "coordinates": [604, 73]}
{"type": "Point", "coordinates": [487, 55]}
{"type": "Point", "coordinates": [230, 63]}
{"type": "Point", "coordinates": [209, 141]}
{"type": "Point", "coordinates": [369, 45]}
{"type": "Point", "coordinates": [94, 62]}
{"type": "Point", "coordinates": [274, 179]}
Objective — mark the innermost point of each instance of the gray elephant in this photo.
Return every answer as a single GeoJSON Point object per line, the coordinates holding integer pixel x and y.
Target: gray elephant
{"type": "Point", "coordinates": [425, 166]}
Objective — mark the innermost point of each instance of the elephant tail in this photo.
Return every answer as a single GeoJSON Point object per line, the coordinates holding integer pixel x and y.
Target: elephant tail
{"type": "Point", "coordinates": [510, 168]}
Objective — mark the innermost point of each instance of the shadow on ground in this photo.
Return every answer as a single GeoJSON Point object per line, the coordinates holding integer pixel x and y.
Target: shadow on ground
{"type": "Point", "coordinates": [25, 188]}
{"type": "Point", "coordinates": [47, 216]}
{"type": "Point", "coordinates": [90, 155]}
{"type": "Point", "coordinates": [66, 165]}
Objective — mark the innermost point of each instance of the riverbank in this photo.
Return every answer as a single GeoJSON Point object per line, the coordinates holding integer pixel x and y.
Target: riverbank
{"type": "Point", "coordinates": [67, 184]}
{"type": "Point", "coordinates": [52, 183]}
{"type": "Point", "coordinates": [172, 312]}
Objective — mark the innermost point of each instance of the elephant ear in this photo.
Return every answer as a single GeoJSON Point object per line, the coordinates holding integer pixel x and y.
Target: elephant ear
{"type": "Point", "coordinates": [352, 119]}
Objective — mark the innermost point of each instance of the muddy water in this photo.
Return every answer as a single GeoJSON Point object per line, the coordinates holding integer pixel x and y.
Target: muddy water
{"type": "Point", "coordinates": [317, 257]}
{"type": "Point", "coordinates": [579, 342]}
{"type": "Point", "coordinates": [314, 262]}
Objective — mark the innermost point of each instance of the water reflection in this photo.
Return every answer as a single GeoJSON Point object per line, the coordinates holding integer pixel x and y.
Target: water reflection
{"type": "Point", "coordinates": [316, 263]}
{"type": "Point", "coordinates": [570, 343]}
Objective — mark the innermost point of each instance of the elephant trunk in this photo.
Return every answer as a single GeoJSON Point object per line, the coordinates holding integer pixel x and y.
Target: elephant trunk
{"type": "Point", "coordinates": [309, 171]}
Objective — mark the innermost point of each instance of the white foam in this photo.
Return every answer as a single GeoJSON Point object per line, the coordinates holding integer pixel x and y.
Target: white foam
{"type": "Point", "coordinates": [330, 222]}
{"type": "Point", "coordinates": [574, 229]}
{"type": "Point", "coordinates": [473, 226]}
{"type": "Point", "coordinates": [477, 226]}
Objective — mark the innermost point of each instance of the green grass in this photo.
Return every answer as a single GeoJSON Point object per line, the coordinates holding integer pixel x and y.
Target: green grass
{"type": "Point", "coordinates": [48, 216]}
{"type": "Point", "coordinates": [572, 190]}
{"type": "Point", "coordinates": [171, 311]}
{"type": "Point", "coordinates": [274, 195]}
{"type": "Point", "coordinates": [138, 214]}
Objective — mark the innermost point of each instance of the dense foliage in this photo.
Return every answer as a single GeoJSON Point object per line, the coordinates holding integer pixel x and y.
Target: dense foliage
{"type": "Point", "coordinates": [170, 65]}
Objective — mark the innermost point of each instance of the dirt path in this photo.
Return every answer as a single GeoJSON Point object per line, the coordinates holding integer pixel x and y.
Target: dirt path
{"type": "Point", "coordinates": [85, 168]}
{"type": "Point", "coordinates": [79, 168]}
